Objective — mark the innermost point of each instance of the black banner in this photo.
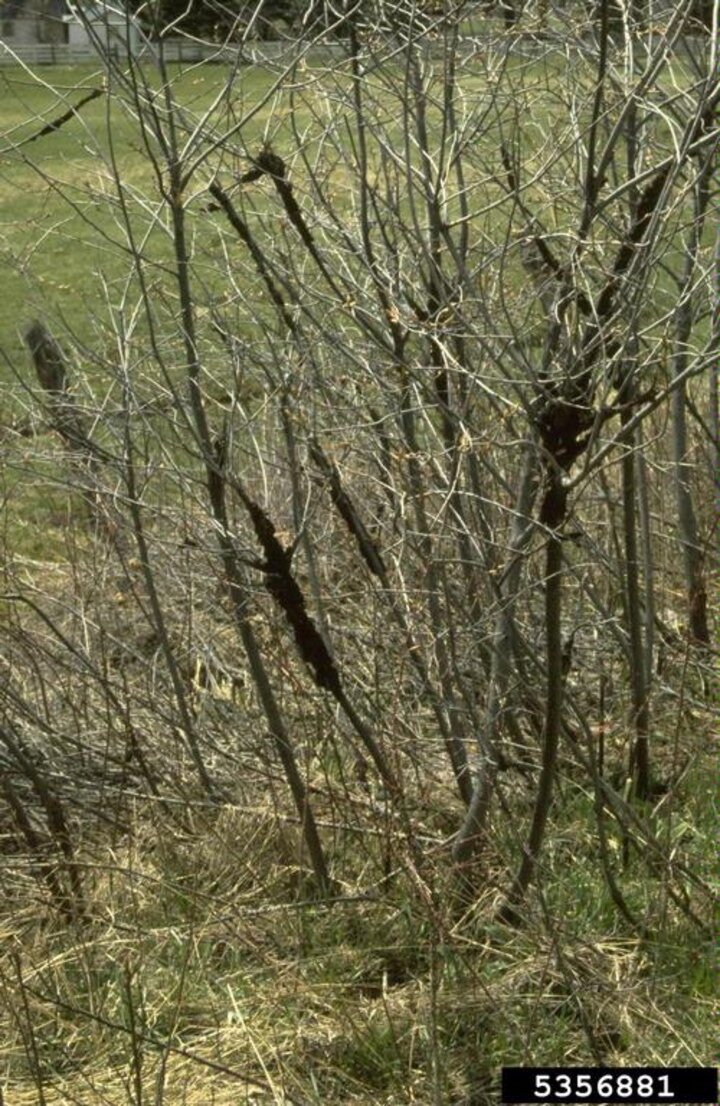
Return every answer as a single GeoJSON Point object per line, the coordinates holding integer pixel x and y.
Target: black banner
{"type": "Point", "coordinates": [632, 1086]}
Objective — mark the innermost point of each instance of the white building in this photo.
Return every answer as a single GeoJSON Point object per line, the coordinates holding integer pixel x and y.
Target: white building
{"type": "Point", "coordinates": [105, 27]}
{"type": "Point", "coordinates": [32, 22]}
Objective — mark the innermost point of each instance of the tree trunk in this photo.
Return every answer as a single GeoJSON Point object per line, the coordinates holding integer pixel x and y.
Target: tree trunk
{"type": "Point", "coordinates": [687, 523]}
{"type": "Point", "coordinates": [639, 758]}
{"type": "Point", "coordinates": [470, 837]}
{"type": "Point", "coordinates": [648, 566]}
{"type": "Point", "coordinates": [553, 712]}
{"type": "Point", "coordinates": [692, 553]}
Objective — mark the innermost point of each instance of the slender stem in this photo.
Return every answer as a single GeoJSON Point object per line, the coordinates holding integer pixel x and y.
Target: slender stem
{"type": "Point", "coordinates": [640, 768]}
{"type": "Point", "coordinates": [553, 719]}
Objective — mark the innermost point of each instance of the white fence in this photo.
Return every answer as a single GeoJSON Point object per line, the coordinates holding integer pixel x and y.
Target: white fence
{"type": "Point", "coordinates": [45, 54]}
{"type": "Point", "coordinates": [175, 50]}
{"type": "Point", "coordinates": [283, 52]}
{"type": "Point", "coordinates": [249, 53]}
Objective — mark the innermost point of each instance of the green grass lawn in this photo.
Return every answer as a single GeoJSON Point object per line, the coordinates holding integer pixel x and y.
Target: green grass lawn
{"type": "Point", "coordinates": [63, 242]}
{"type": "Point", "coordinates": [52, 254]}
{"type": "Point", "coordinates": [62, 237]}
